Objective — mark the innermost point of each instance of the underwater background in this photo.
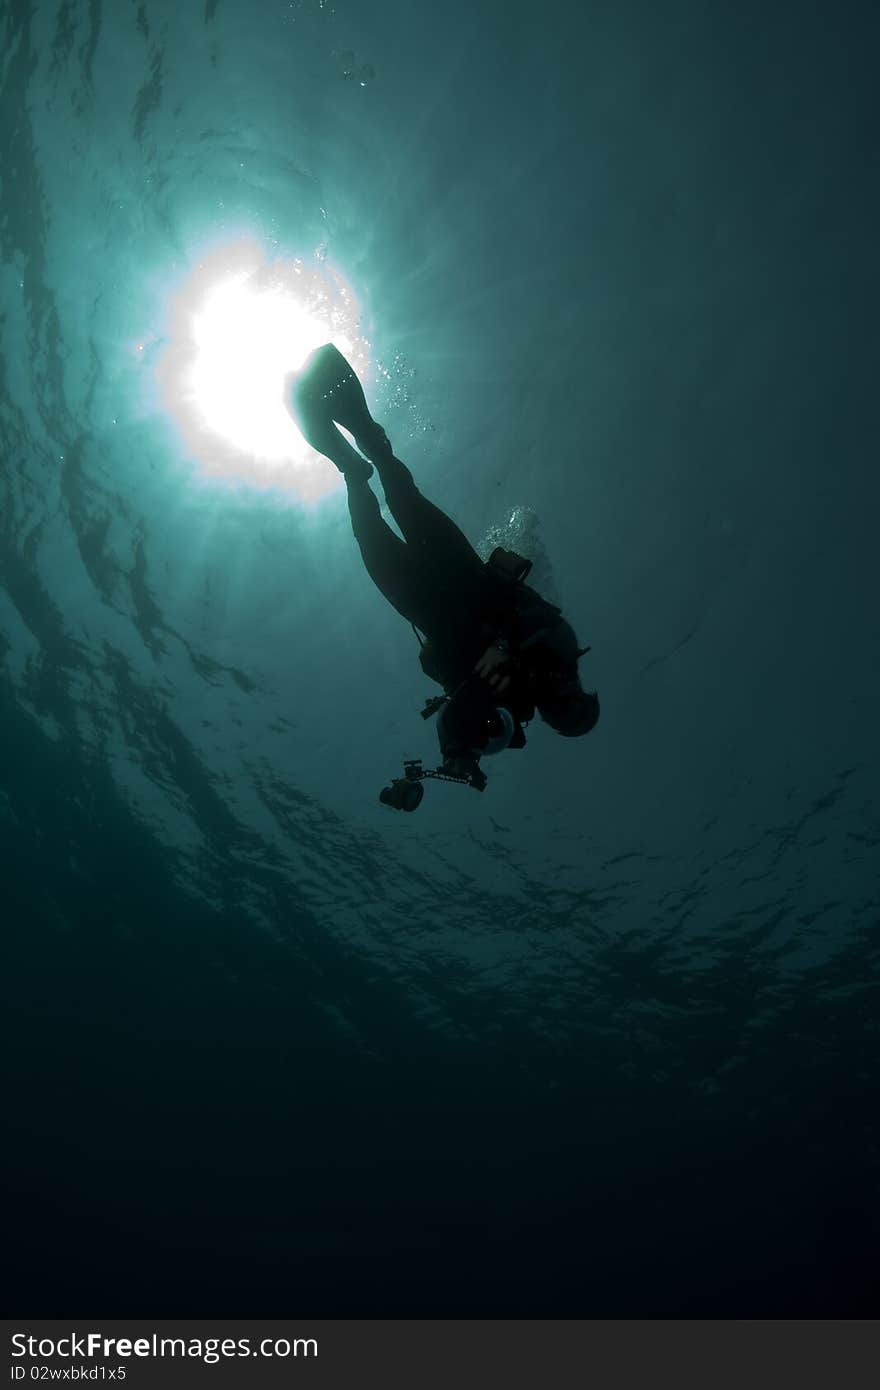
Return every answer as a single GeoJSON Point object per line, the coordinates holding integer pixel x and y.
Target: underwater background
{"type": "Point", "coordinates": [603, 1039]}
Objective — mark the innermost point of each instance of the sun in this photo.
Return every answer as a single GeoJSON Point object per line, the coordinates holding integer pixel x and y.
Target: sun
{"type": "Point", "coordinates": [239, 324]}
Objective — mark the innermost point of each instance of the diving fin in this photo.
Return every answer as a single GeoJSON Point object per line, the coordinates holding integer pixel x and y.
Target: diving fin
{"type": "Point", "coordinates": [327, 390]}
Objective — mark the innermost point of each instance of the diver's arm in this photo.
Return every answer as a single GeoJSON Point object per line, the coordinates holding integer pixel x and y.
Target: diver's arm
{"type": "Point", "coordinates": [501, 659]}
{"type": "Point", "coordinates": [494, 665]}
{"type": "Point", "coordinates": [548, 648]}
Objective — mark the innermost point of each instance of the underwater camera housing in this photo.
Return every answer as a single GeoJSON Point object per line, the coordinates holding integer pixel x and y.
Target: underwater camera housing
{"type": "Point", "coordinates": [461, 766]}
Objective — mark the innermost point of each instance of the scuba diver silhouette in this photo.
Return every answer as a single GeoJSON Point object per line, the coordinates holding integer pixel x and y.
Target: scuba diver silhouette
{"type": "Point", "coordinates": [497, 647]}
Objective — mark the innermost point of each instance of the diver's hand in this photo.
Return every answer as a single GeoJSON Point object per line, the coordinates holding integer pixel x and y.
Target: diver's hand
{"type": "Point", "coordinates": [460, 765]}
{"type": "Point", "coordinates": [490, 666]}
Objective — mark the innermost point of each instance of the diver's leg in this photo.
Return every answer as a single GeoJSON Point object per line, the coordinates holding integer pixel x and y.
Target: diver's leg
{"type": "Point", "coordinates": [327, 390]}
{"type": "Point", "coordinates": [428, 529]}
{"type": "Point", "coordinates": [326, 393]}
{"type": "Point", "coordinates": [388, 560]}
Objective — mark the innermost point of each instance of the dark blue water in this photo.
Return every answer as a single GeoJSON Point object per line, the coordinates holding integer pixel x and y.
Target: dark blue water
{"type": "Point", "coordinates": [602, 1040]}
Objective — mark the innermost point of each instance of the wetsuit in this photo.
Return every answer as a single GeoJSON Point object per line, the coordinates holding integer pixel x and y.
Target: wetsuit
{"type": "Point", "coordinates": [437, 581]}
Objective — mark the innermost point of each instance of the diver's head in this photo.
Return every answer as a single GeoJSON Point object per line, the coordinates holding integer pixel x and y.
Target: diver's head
{"type": "Point", "coordinates": [567, 707]}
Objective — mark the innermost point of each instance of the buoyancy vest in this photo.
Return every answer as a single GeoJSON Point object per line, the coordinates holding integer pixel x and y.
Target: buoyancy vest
{"type": "Point", "coordinates": [509, 608]}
